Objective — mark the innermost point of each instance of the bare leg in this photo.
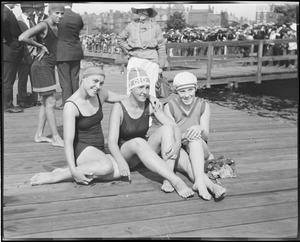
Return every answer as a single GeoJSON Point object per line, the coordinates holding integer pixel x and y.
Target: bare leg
{"type": "Point", "coordinates": [197, 154]}
{"type": "Point", "coordinates": [50, 114]}
{"type": "Point", "coordinates": [166, 186]}
{"type": "Point", "coordinates": [152, 161]}
{"type": "Point", "coordinates": [160, 141]}
{"type": "Point", "coordinates": [104, 167]}
{"type": "Point", "coordinates": [184, 164]}
{"type": "Point", "coordinates": [39, 136]}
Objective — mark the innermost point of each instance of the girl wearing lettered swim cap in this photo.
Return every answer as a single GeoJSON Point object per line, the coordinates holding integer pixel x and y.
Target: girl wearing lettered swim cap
{"type": "Point", "coordinates": [129, 141]}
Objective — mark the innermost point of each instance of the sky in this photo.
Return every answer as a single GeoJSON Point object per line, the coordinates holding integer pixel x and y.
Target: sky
{"type": "Point", "coordinates": [246, 9]}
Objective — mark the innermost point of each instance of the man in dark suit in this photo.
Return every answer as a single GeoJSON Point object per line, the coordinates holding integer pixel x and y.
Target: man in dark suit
{"type": "Point", "coordinates": [12, 55]}
{"type": "Point", "coordinates": [25, 22]}
{"type": "Point", "coordinates": [69, 52]}
{"type": "Point", "coordinates": [39, 9]}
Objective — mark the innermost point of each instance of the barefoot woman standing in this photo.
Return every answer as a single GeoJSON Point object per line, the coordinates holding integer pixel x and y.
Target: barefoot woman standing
{"type": "Point", "coordinates": [43, 70]}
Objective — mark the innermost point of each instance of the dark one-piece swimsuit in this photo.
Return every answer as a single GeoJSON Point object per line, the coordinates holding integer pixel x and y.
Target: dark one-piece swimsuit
{"type": "Point", "coordinates": [133, 128]}
{"type": "Point", "coordinates": [88, 131]}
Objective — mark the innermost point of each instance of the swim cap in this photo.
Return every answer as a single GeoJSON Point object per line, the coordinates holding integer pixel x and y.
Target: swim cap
{"type": "Point", "coordinates": [92, 70]}
{"type": "Point", "coordinates": [184, 80]}
{"type": "Point", "coordinates": [137, 77]}
{"type": "Point", "coordinates": [57, 7]}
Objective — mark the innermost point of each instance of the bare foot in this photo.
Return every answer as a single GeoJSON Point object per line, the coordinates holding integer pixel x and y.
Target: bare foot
{"type": "Point", "coordinates": [182, 189]}
{"type": "Point", "coordinates": [58, 142]}
{"type": "Point", "coordinates": [202, 191]}
{"type": "Point", "coordinates": [219, 191]}
{"type": "Point", "coordinates": [167, 187]}
{"type": "Point", "coordinates": [42, 178]}
{"type": "Point", "coordinates": [42, 139]}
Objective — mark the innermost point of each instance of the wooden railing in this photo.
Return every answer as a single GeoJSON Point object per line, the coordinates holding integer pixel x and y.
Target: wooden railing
{"type": "Point", "coordinates": [216, 52]}
{"type": "Point", "coordinates": [212, 57]}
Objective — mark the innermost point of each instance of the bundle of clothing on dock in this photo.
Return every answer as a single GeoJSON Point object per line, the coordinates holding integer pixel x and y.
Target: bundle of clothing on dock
{"type": "Point", "coordinates": [222, 167]}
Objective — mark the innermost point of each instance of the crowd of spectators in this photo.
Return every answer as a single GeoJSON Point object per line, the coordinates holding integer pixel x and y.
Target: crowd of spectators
{"type": "Point", "coordinates": [106, 42]}
{"type": "Point", "coordinates": [100, 43]}
{"type": "Point", "coordinates": [238, 33]}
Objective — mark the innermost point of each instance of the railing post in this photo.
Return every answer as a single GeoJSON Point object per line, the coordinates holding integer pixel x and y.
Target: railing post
{"type": "Point", "coordinates": [209, 63]}
{"type": "Point", "coordinates": [111, 45]}
{"type": "Point", "coordinates": [168, 51]}
{"type": "Point", "coordinates": [259, 61]}
{"type": "Point", "coordinates": [122, 65]}
{"type": "Point", "coordinates": [251, 53]}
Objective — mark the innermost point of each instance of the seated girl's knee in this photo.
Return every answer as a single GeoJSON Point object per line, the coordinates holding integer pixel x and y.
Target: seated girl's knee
{"type": "Point", "coordinates": [104, 167]}
{"type": "Point", "coordinates": [140, 143]}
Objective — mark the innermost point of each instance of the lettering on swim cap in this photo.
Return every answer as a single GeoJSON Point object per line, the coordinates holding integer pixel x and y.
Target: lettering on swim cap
{"type": "Point", "coordinates": [137, 77]}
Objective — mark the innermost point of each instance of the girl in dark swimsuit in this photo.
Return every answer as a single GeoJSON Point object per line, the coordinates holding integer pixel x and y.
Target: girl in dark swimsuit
{"type": "Point", "coordinates": [83, 135]}
{"type": "Point", "coordinates": [128, 128]}
{"type": "Point", "coordinates": [43, 70]}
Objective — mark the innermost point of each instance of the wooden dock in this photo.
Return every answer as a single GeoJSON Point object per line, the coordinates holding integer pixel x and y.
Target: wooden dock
{"type": "Point", "coordinates": [261, 203]}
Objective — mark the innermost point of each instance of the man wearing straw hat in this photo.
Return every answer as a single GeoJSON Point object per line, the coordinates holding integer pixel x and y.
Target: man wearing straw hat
{"type": "Point", "coordinates": [143, 41]}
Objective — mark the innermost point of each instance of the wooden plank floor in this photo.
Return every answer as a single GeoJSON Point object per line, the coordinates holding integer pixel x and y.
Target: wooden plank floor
{"type": "Point", "coordinates": [262, 201]}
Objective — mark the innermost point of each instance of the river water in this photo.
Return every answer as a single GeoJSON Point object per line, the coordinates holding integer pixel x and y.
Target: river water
{"type": "Point", "coordinates": [277, 99]}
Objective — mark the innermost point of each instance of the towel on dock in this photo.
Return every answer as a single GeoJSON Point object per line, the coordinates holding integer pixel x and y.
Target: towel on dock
{"type": "Point", "coordinates": [223, 167]}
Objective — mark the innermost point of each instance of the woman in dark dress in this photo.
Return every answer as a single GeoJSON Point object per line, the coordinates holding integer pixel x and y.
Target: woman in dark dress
{"type": "Point", "coordinates": [43, 70]}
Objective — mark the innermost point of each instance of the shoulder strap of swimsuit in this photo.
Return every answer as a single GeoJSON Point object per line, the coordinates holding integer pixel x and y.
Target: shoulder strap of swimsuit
{"type": "Point", "coordinates": [75, 105]}
{"type": "Point", "coordinates": [100, 104]}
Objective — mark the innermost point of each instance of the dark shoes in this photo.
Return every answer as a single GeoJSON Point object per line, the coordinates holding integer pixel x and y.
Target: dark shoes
{"type": "Point", "coordinates": [12, 109]}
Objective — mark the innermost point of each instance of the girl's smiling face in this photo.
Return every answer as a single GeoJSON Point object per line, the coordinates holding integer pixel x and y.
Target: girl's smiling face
{"type": "Point", "coordinates": [187, 95]}
{"type": "Point", "coordinates": [93, 84]}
